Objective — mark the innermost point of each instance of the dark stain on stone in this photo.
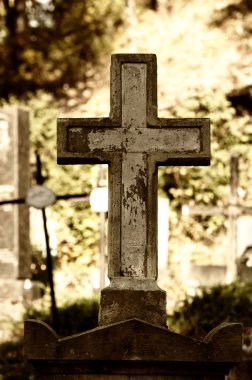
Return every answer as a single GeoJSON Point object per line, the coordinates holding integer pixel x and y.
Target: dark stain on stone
{"type": "Point", "coordinates": [77, 140]}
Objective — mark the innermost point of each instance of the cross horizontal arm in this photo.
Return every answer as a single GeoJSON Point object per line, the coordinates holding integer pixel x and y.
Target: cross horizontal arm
{"type": "Point", "coordinates": [227, 210]}
{"type": "Point", "coordinates": [134, 141]}
{"type": "Point", "coordinates": [94, 140]}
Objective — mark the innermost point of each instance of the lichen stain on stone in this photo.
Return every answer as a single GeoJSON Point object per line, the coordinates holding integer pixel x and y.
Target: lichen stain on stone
{"type": "Point", "coordinates": [130, 271]}
{"type": "Point", "coordinates": [135, 194]}
{"type": "Point", "coordinates": [124, 200]}
{"type": "Point", "coordinates": [77, 141]}
{"type": "Point", "coordinates": [141, 187]}
{"type": "Point", "coordinates": [101, 139]}
{"type": "Point", "coordinates": [125, 145]}
{"type": "Point", "coordinates": [134, 75]}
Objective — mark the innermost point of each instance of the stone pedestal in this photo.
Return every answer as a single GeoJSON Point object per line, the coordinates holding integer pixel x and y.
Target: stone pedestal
{"type": "Point", "coordinates": [132, 350]}
{"type": "Point", "coordinates": [130, 298]}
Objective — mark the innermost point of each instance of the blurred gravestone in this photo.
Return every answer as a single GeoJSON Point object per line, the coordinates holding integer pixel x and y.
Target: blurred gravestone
{"type": "Point", "coordinates": [14, 218]}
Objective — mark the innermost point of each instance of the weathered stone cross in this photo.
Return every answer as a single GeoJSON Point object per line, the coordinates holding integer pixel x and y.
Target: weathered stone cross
{"type": "Point", "coordinates": [134, 142]}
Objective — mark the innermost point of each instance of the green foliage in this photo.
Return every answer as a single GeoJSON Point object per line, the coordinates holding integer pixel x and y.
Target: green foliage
{"type": "Point", "coordinates": [77, 226]}
{"type": "Point", "coordinates": [199, 314]}
{"type": "Point", "coordinates": [73, 317]}
{"type": "Point", "coordinates": [53, 45]}
{"type": "Point", "coordinates": [208, 185]}
{"type": "Point", "coordinates": [228, 131]}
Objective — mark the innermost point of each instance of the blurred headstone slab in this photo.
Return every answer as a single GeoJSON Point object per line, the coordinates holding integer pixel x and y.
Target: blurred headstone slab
{"type": "Point", "coordinates": [134, 142]}
{"type": "Point", "coordinates": [132, 341]}
{"type": "Point", "coordinates": [14, 182]}
{"type": "Point", "coordinates": [203, 275]}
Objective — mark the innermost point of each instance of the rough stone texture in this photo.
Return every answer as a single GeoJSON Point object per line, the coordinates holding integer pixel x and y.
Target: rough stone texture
{"type": "Point", "coordinates": [132, 349]}
{"type": "Point", "coordinates": [134, 141]}
{"type": "Point", "coordinates": [14, 183]}
{"type": "Point", "coordinates": [133, 302]}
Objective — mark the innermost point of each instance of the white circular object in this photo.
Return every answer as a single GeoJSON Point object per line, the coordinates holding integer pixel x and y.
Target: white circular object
{"type": "Point", "coordinates": [40, 197]}
{"type": "Point", "coordinates": [99, 199]}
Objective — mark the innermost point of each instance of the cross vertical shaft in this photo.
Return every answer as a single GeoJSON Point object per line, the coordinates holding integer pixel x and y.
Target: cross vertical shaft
{"type": "Point", "coordinates": [134, 166]}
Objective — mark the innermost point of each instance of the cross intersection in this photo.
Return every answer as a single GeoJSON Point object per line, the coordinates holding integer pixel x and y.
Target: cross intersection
{"type": "Point", "coordinates": [134, 142]}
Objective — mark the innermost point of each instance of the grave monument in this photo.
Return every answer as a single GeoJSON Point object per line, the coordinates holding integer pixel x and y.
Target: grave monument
{"type": "Point", "coordinates": [132, 340]}
{"type": "Point", "coordinates": [15, 247]}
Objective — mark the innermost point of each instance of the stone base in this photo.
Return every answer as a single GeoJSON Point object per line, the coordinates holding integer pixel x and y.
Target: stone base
{"type": "Point", "coordinates": [141, 299]}
{"type": "Point", "coordinates": [133, 350]}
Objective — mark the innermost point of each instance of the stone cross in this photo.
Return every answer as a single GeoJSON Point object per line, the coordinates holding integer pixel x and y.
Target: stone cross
{"type": "Point", "coordinates": [134, 142]}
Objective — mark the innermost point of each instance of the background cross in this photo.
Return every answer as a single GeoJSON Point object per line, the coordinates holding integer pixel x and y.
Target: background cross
{"type": "Point", "coordinates": [233, 210]}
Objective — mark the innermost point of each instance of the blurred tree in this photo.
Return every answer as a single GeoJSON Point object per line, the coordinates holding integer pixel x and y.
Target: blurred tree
{"type": "Point", "coordinates": [52, 44]}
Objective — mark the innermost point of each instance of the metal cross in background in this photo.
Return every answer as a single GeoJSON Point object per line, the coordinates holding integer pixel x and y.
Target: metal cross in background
{"type": "Point", "coordinates": [40, 197]}
{"type": "Point", "coordinates": [233, 210]}
{"type": "Point", "coordinates": [49, 264]}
